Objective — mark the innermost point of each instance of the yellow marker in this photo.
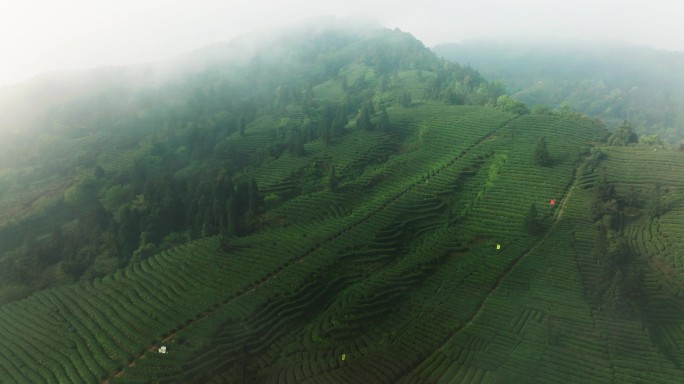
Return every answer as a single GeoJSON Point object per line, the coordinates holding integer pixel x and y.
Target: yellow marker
{"type": "Point", "coordinates": [344, 356]}
{"type": "Point", "coordinates": [498, 247]}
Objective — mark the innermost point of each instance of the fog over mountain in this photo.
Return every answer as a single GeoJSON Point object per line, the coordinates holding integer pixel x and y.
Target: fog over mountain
{"type": "Point", "coordinates": [616, 82]}
{"type": "Point", "coordinates": [37, 36]}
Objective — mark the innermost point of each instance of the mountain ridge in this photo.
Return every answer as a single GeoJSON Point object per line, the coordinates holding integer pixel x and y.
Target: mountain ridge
{"type": "Point", "coordinates": [612, 81]}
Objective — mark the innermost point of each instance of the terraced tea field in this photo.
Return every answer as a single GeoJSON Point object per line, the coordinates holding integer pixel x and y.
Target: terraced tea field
{"type": "Point", "coordinates": [394, 276]}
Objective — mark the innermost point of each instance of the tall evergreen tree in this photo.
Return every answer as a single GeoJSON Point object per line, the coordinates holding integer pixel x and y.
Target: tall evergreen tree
{"type": "Point", "coordinates": [531, 223]}
{"type": "Point", "coordinates": [331, 179]}
{"type": "Point", "coordinates": [232, 228]}
{"type": "Point", "coordinates": [384, 123]}
{"type": "Point", "coordinates": [604, 201]}
{"type": "Point", "coordinates": [363, 120]}
{"type": "Point", "coordinates": [242, 125]}
{"type": "Point", "coordinates": [253, 201]}
{"type": "Point", "coordinates": [326, 134]}
{"type": "Point", "coordinates": [296, 143]}
{"type": "Point", "coordinates": [541, 153]}
{"type": "Point", "coordinates": [655, 205]}
{"type": "Point", "coordinates": [405, 99]}
{"type": "Point", "coordinates": [338, 123]}
{"type": "Point", "coordinates": [128, 232]}
{"type": "Point", "coordinates": [604, 190]}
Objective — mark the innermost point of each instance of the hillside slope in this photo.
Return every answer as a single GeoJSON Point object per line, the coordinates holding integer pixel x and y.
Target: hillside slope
{"type": "Point", "coordinates": [393, 276]}
{"type": "Point", "coordinates": [378, 225]}
{"type": "Point", "coordinates": [126, 162]}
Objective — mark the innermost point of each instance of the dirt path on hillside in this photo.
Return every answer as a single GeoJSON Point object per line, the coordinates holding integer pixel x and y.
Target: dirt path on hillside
{"type": "Point", "coordinates": [503, 277]}
{"type": "Point", "coordinates": [564, 204]}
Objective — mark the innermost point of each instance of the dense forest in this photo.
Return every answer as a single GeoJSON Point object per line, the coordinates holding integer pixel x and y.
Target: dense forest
{"type": "Point", "coordinates": [616, 82]}
{"type": "Point", "coordinates": [330, 205]}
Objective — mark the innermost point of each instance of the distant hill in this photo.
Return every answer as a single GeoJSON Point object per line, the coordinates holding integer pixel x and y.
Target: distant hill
{"type": "Point", "coordinates": [342, 206]}
{"type": "Point", "coordinates": [615, 82]}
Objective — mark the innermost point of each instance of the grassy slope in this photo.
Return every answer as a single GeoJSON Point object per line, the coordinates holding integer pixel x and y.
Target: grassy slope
{"type": "Point", "coordinates": [397, 270]}
{"type": "Point", "coordinates": [538, 325]}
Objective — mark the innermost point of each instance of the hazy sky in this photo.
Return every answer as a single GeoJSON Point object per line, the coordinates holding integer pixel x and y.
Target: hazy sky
{"type": "Point", "coordinates": [42, 35]}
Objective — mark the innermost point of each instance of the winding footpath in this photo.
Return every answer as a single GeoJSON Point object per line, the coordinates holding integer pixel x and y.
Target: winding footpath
{"type": "Point", "coordinates": [498, 281]}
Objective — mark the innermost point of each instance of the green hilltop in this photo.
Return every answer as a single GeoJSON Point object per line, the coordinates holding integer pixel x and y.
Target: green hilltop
{"type": "Point", "coordinates": [345, 207]}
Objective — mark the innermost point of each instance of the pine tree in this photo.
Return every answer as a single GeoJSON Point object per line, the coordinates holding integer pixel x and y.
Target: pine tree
{"type": "Point", "coordinates": [326, 134]}
{"type": "Point", "coordinates": [233, 225]}
{"type": "Point", "coordinates": [337, 124]}
{"type": "Point", "coordinates": [604, 190]}
{"type": "Point", "coordinates": [384, 123]}
{"type": "Point", "coordinates": [254, 200]}
{"type": "Point", "coordinates": [531, 222]}
{"type": "Point", "coordinates": [331, 180]}
{"type": "Point", "coordinates": [99, 172]}
{"type": "Point", "coordinates": [363, 120]}
{"type": "Point", "coordinates": [541, 153]}
{"type": "Point", "coordinates": [604, 200]}
{"type": "Point", "coordinates": [296, 143]}
{"type": "Point", "coordinates": [405, 100]}
{"type": "Point", "coordinates": [654, 205]}
{"type": "Point", "coordinates": [242, 125]}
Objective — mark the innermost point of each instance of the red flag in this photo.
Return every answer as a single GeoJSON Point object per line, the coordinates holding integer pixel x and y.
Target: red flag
{"type": "Point", "coordinates": [553, 201]}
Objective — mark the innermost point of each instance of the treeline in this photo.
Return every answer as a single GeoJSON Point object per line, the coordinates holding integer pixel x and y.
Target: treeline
{"type": "Point", "coordinates": [91, 233]}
